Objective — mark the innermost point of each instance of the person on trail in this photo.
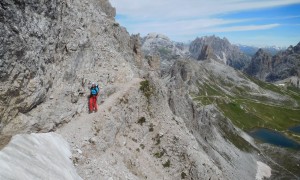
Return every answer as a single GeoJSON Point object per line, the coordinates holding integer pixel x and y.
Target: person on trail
{"type": "Point", "coordinates": [93, 98]}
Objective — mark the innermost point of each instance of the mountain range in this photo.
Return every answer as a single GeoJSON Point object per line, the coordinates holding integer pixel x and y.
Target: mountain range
{"type": "Point", "coordinates": [167, 110]}
{"type": "Point", "coordinates": [262, 65]}
{"type": "Point", "coordinates": [283, 65]}
{"type": "Point", "coordinates": [251, 50]}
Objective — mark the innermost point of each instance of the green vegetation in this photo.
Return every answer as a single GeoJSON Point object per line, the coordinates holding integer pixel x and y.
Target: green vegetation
{"type": "Point", "coordinates": [249, 110]}
{"type": "Point", "coordinates": [146, 88]}
{"type": "Point", "coordinates": [141, 121]}
{"type": "Point", "coordinates": [183, 175]}
{"type": "Point", "coordinates": [265, 85]}
{"type": "Point", "coordinates": [248, 115]}
{"type": "Point", "coordinates": [286, 159]}
{"type": "Point", "coordinates": [157, 139]}
{"type": "Point", "coordinates": [167, 163]}
{"type": "Point", "coordinates": [236, 139]}
{"type": "Point", "coordinates": [164, 51]}
{"type": "Point", "coordinates": [159, 154]}
{"type": "Point", "coordinates": [151, 127]}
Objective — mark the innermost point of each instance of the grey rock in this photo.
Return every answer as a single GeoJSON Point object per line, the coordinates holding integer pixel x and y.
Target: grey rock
{"type": "Point", "coordinates": [169, 51]}
{"type": "Point", "coordinates": [74, 98]}
{"type": "Point", "coordinates": [54, 52]}
{"type": "Point", "coordinates": [93, 140]}
{"type": "Point", "coordinates": [206, 53]}
{"type": "Point", "coordinates": [154, 62]}
{"type": "Point", "coordinates": [221, 49]}
{"type": "Point", "coordinates": [270, 68]}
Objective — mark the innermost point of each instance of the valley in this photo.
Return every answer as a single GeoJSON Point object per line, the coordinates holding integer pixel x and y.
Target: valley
{"type": "Point", "coordinates": [167, 110]}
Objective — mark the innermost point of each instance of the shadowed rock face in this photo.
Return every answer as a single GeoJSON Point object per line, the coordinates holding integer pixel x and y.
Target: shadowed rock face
{"type": "Point", "coordinates": [206, 53]}
{"type": "Point", "coordinates": [260, 64]}
{"type": "Point", "coordinates": [273, 68]}
{"type": "Point", "coordinates": [222, 50]}
{"type": "Point", "coordinates": [30, 39]}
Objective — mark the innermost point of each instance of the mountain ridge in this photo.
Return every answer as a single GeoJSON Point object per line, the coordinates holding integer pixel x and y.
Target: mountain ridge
{"type": "Point", "coordinates": [181, 125]}
{"type": "Point", "coordinates": [270, 68]}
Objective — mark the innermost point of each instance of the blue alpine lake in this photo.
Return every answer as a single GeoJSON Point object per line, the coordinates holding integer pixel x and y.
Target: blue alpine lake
{"type": "Point", "coordinates": [295, 129]}
{"type": "Point", "coordinates": [273, 137]}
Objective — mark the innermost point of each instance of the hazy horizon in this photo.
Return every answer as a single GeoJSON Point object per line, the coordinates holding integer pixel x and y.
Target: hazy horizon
{"type": "Point", "coordinates": [253, 23]}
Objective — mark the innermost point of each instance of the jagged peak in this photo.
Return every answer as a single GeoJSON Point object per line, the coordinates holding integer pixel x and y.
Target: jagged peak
{"type": "Point", "coordinates": [261, 51]}
{"type": "Point", "coordinates": [155, 35]}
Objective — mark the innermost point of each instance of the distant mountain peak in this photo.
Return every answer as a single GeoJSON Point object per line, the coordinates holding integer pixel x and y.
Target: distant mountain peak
{"type": "Point", "coordinates": [154, 35]}
{"type": "Point", "coordinates": [282, 65]}
{"type": "Point", "coordinates": [220, 49]}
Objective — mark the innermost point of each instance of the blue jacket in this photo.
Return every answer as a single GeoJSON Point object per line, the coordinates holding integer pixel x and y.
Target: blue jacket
{"type": "Point", "coordinates": [94, 90]}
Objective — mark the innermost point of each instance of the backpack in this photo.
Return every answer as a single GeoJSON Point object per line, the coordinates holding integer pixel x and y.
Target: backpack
{"type": "Point", "coordinates": [95, 90]}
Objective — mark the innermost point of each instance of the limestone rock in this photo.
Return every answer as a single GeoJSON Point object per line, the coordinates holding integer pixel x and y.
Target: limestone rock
{"type": "Point", "coordinates": [169, 51]}
{"type": "Point", "coordinates": [270, 68]}
{"type": "Point", "coordinates": [154, 62]}
{"type": "Point", "coordinates": [260, 65]}
{"type": "Point", "coordinates": [206, 53]}
{"type": "Point", "coordinates": [222, 49]}
{"type": "Point", "coordinates": [61, 45]}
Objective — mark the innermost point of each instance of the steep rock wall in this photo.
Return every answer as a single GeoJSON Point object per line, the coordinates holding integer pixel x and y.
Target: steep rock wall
{"type": "Point", "coordinates": [52, 50]}
{"type": "Point", "coordinates": [270, 68]}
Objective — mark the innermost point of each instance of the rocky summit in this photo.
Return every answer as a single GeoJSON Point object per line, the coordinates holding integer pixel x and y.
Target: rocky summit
{"type": "Point", "coordinates": [220, 49]}
{"type": "Point", "coordinates": [160, 46]}
{"type": "Point", "coordinates": [162, 113]}
{"type": "Point", "coordinates": [270, 68]}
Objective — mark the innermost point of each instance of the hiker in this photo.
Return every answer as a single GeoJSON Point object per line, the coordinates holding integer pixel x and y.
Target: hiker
{"type": "Point", "coordinates": [93, 98]}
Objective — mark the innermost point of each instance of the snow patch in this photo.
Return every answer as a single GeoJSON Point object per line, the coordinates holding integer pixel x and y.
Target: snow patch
{"type": "Point", "coordinates": [37, 156]}
{"type": "Point", "coordinates": [263, 171]}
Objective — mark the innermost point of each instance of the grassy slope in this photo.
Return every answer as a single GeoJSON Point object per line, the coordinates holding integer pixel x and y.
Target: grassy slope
{"type": "Point", "coordinates": [247, 111]}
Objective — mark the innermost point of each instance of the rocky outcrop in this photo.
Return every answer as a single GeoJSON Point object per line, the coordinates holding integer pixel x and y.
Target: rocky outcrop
{"type": "Point", "coordinates": [260, 65]}
{"type": "Point", "coordinates": [205, 122]}
{"type": "Point", "coordinates": [169, 51]}
{"type": "Point", "coordinates": [283, 65]}
{"type": "Point", "coordinates": [27, 54]}
{"type": "Point", "coordinates": [47, 50]}
{"type": "Point", "coordinates": [154, 62]}
{"type": "Point", "coordinates": [222, 50]}
{"type": "Point", "coordinates": [206, 53]}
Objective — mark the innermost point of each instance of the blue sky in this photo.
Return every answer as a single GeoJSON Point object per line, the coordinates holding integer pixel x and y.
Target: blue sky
{"type": "Point", "coordinates": [255, 22]}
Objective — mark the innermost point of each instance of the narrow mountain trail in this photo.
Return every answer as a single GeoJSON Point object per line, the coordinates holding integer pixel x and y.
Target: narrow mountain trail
{"type": "Point", "coordinates": [79, 130]}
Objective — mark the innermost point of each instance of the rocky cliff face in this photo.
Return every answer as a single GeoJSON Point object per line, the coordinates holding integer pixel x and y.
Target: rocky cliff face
{"type": "Point", "coordinates": [49, 51]}
{"type": "Point", "coordinates": [273, 68]}
{"type": "Point", "coordinates": [260, 65]}
{"type": "Point", "coordinates": [168, 51]}
{"type": "Point", "coordinates": [222, 50]}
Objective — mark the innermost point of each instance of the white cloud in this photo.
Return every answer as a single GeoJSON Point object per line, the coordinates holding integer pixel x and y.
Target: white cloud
{"type": "Point", "coordinates": [183, 20]}
{"type": "Point", "coordinates": [244, 28]}
{"type": "Point", "coordinates": [166, 9]}
{"type": "Point", "coordinates": [191, 28]}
